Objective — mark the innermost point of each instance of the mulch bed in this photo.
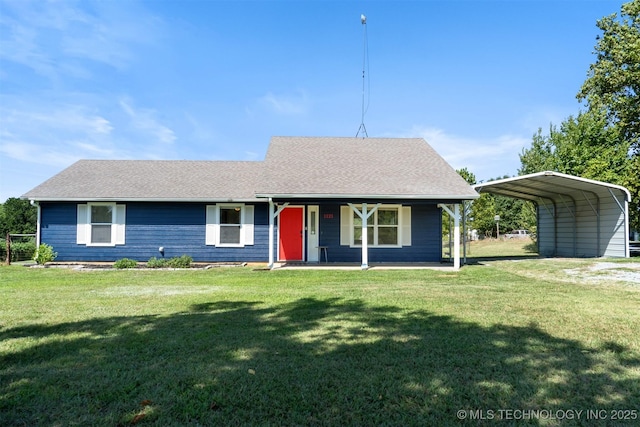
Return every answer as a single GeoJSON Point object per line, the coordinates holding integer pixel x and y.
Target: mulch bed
{"type": "Point", "coordinates": [140, 266]}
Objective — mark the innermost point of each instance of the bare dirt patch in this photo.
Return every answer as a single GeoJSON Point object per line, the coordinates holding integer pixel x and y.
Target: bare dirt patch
{"type": "Point", "coordinates": [607, 272]}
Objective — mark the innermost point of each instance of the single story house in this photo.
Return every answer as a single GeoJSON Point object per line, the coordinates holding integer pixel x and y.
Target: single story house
{"type": "Point", "coordinates": [311, 199]}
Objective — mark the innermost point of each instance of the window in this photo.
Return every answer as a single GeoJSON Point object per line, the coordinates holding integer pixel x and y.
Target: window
{"type": "Point", "coordinates": [101, 224]}
{"type": "Point", "coordinates": [357, 229]}
{"type": "Point", "coordinates": [229, 225]}
{"type": "Point", "coordinates": [388, 226]}
{"type": "Point", "coordinates": [382, 228]}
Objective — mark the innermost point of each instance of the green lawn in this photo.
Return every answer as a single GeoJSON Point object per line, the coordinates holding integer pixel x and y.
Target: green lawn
{"type": "Point", "coordinates": [502, 247]}
{"type": "Point", "coordinates": [491, 248]}
{"type": "Point", "coordinates": [239, 346]}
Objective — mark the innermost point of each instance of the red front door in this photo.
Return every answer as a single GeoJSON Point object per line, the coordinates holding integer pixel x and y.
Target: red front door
{"type": "Point", "coordinates": [291, 226]}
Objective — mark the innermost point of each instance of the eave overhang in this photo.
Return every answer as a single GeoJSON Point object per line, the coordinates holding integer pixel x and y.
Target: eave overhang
{"type": "Point", "coordinates": [368, 196]}
{"type": "Point", "coordinates": [149, 199]}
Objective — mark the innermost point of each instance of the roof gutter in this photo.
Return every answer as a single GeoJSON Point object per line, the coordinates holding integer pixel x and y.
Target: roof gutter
{"type": "Point", "coordinates": [138, 199]}
{"type": "Point", "coordinates": [369, 196]}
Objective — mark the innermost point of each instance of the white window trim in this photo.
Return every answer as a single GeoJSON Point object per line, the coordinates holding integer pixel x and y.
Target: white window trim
{"type": "Point", "coordinates": [84, 225]}
{"type": "Point", "coordinates": [352, 243]}
{"type": "Point", "coordinates": [213, 225]}
{"type": "Point", "coordinates": [240, 243]}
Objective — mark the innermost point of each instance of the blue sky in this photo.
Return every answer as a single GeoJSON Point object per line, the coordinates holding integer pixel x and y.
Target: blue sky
{"type": "Point", "coordinates": [214, 80]}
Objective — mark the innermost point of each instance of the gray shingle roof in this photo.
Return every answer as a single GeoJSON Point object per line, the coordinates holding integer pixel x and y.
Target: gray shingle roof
{"type": "Point", "coordinates": [393, 167]}
{"type": "Point", "coordinates": [294, 166]}
{"type": "Point", "coordinates": [152, 180]}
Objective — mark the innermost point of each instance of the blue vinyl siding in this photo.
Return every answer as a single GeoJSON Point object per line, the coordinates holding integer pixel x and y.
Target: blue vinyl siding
{"type": "Point", "coordinates": [425, 238]}
{"type": "Point", "coordinates": [178, 227]}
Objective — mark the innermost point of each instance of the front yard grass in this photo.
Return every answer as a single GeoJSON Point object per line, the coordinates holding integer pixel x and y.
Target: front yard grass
{"type": "Point", "coordinates": [238, 346]}
{"type": "Point", "coordinates": [516, 247]}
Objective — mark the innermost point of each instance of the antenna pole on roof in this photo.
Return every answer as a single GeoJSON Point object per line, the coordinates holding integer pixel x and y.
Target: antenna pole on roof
{"type": "Point", "coordinates": [365, 65]}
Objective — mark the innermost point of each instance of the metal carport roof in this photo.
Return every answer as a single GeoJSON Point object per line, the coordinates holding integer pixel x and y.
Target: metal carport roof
{"type": "Point", "coordinates": [577, 217]}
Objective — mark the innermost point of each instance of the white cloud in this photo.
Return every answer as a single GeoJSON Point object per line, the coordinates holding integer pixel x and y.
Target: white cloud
{"type": "Point", "coordinates": [65, 118]}
{"type": "Point", "coordinates": [288, 105]}
{"type": "Point", "coordinates": [20, 45]}
{"type": "Point", "coordinates": [198, 130]}
{"type": "Point", "coordinates": [35, 131]}
{"type": "Point", "coordinates": [145, 121]}
{"type": "Point", "coordinates": [485, 157]}
{"type": "Point", "coordinates": [93, 149]}
{"type": "Point", "coordinates": [55, 38]}
{"type": "Point", "coordinates": [33, 153]}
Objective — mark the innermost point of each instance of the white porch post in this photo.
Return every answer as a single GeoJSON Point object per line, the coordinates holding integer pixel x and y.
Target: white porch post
{"type": "Point", "coordinates": [365, 249]}
{"type": "Point", "coordinates": [271, 227]}
{"type": "Point", "coordinates": [456, 233]}
{"type": "Point", "coordinates": [273, 214]}
{"type": "Point", "coordinates": [364, 216]}
{"type": "Point", "coordinates": [456, 236]}
{"type": "Point", "coordinates": [39, 218]}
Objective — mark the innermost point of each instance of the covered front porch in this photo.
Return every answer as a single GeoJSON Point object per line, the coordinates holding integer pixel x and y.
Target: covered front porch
{"type": "Point", "coordinates": [360, 233]}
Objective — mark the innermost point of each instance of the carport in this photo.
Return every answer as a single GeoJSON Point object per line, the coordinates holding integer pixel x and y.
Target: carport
{"type": "Point", "coordinates": [577, 217]}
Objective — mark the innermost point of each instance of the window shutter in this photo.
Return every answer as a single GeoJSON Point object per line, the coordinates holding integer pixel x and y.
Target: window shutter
{"type": "Point", "coordinates": [82, 229]}
{"type": "Point", "coordinates": [212, 226]}
{"type": "Point", "coordinates": [345, 225]}
{"type": "Point", "coordinates": [406, 225]}
{"type": "Point", "coordinates": [247, 225]}
{"type": "Point", "coordinates": [121, 215]}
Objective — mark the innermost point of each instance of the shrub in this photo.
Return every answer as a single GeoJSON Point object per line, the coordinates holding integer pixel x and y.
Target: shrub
{"type": "Point", "coordinates": [156, 263]}
{"type": "Point", "coordinates": [183, 261]}
{"type": "Point", "coordinates": [125, 263]}
{"type": "Point", "coordinates": [45, 254]}
{"type": "Point", "coordinates": [20, 251]}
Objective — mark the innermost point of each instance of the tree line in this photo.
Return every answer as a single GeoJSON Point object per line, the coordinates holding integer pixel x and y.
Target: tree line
{"type": "Point", "coordinates": [17, 216]}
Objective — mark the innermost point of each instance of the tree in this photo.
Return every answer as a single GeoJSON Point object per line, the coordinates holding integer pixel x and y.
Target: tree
{"type": "Point", "coordinates": [631, 181]}
{"type": "Point", "coordinates": [613, 82]}
{"type": "Point", "coordinates": [539, 157]}
{"type": "Point", "coordinates": [588, 147]}
{"type": "Point", "coordinates": [514, 214]}
{"type": "Point", "coordinates": [483, 212]}
{"type": "Point", "coordinates": [17, 216]}
{"type": "Point", "coordinates": [602, 143]}
{"type": "Point", "coordinates": [467, 175]}
{"type": "Point", "coordinates": [583, 146]}
{"type": "Point", "coordinates": [471, 180]}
